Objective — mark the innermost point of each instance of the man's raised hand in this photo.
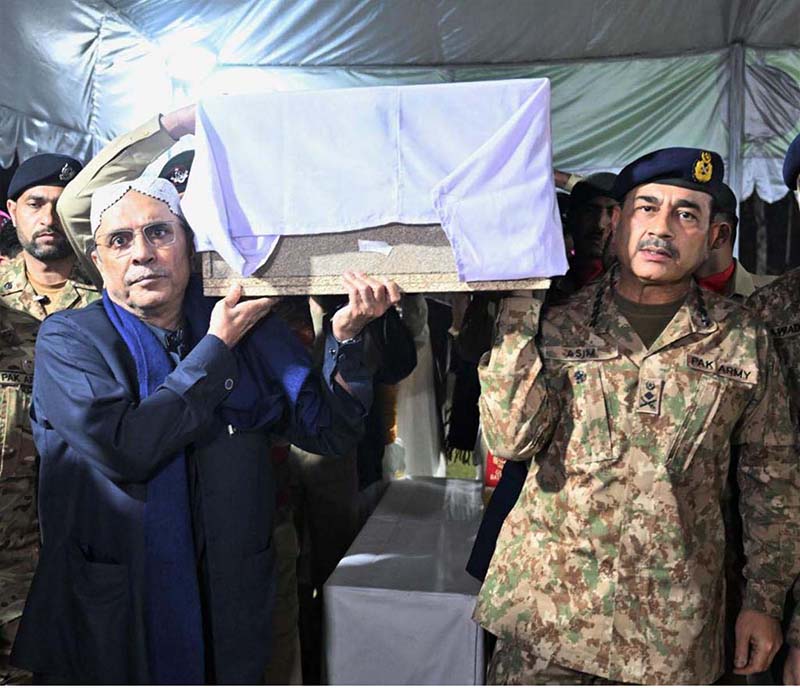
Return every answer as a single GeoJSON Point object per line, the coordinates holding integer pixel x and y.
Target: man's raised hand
{"type": "Point", "coordinates": [368, 299]}
{"type": "Point", "coordinates": [231, 318]}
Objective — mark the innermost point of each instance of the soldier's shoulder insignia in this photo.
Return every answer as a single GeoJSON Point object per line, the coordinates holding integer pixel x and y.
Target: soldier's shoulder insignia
{"type": "Point", "coordinates": [703, 168]}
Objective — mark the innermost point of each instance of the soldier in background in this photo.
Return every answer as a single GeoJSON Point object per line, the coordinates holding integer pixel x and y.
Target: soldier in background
{"type": "Point", "coordinates": [45, 277]}
{"type": "Point", "coordinates": [19, 531]}
{"type": "Point", "coordinates": [42, 278]}
{"type": "Point", "coordinates": [721, 272]}
{"type": "Point", "coordinates": [776, 304]}
{"type": "Point", "coordinates": [628, 399]}
{"type": "Point", "coordinates": [589, 224]}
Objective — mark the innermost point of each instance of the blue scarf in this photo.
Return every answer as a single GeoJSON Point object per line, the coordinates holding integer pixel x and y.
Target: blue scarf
{"type": "Point", "coordinates": [173, 618]}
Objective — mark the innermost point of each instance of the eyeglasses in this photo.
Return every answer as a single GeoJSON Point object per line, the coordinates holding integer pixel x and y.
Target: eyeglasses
{"type": "Point", "coordinates": [120, 241]}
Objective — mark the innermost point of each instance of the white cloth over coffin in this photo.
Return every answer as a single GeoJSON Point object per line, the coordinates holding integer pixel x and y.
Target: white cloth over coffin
{"type": "Point", "coordinates": [474, 157]}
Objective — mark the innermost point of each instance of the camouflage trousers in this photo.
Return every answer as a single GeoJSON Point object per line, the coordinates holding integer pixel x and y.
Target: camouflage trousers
{"type": "Point", "coordinates": [513, 664]}
{"type": "Point", "coordinates": [8, 674]}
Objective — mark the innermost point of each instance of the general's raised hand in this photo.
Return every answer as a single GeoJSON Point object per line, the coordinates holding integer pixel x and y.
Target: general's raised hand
{"type": "Point", "coordinates": [368, 298]}
{"type": "Point", "coordinates": [231, 318]}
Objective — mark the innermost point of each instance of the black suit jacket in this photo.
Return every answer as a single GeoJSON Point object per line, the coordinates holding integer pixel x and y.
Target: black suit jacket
{"type": "Point", "coordinates": [99, 444]}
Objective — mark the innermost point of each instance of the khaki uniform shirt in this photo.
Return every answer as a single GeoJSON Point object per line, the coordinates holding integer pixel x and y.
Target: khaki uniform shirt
{"type": "Point", "coordinates": [16, 291]}
{"type": "Point", "coordinates": [126, 157]}
{"type": "Point", "coordinates": [745, 283]}
{"type": "Point", "coordinates": [611, 562]}
{"type": "Point", "coordinates": [19, 533]}
{"type": "Point", "coordinates": [777, 305]}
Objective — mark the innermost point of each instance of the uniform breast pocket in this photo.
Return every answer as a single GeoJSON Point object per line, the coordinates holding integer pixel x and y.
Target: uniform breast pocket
{"type": "Point", "coordinates": [16, 443]}
{"type": "Point", "coordinates": [710, 416]}
{"type": "Point", "coordinates": [17, 402]}
{"type": "Point", "coordinates": [584, 430]}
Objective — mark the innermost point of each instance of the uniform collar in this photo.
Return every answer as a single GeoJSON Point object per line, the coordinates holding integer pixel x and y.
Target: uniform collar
{"type": "Point", "coordinates": [606, 319]}
{"type": "Point", "coordinates": [13, 277]}
{"type": "Point", "coordinates": [16, 289]}
{"type": "Point", "coordinates": [742, 282]}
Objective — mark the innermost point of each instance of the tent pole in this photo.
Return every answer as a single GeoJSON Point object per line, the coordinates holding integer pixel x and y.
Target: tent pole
{"type": "Point", "coordinates": [736, 73]}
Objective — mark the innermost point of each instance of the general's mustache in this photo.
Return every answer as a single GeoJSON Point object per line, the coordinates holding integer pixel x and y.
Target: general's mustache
{"type": "Point", "coordinates": [655, 242]}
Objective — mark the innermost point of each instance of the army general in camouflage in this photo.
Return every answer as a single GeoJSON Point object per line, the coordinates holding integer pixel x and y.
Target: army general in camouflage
{"type": "Point", "coordinates": [45, 277]}
{"type": "Point", "coordinates": [629, 397]}
{"type": "Point", "coordinates": [776, 304]}
{"type": "Point", "coordinates": [19, 539]}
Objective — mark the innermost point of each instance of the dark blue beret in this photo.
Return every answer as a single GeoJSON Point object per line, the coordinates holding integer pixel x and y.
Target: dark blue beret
{"type": "Point", "coordinates": [46, 169]}
{"type": "Point", "coordinates": [177, 170]}
{"type": "Point", "coordinates": [726, 200]}
{"type": "Point", "coordinates": [791, 164]}
{"type": "Point", "coordinates": [691, 168]}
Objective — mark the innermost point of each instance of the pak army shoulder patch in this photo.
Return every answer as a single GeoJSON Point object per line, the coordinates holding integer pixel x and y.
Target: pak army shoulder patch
{"type": "Point", "coordinates": [704, 365]}
{"type": "Point", "coordinates": [738, 373]}
{"type": "Point", "coordinates": [16, 378]}
{"type": "Point", "coordinates": [726, 369]}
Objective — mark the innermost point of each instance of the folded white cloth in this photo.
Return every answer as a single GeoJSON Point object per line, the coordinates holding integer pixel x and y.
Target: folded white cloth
{"type": "Point", "coordinates": [475, 157]}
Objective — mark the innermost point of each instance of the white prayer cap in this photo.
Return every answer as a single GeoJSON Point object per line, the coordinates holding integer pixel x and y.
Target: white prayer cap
{"type": "Point", "coordinates": [155, 187]}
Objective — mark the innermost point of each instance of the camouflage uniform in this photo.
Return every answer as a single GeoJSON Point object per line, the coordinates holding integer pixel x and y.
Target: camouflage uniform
{"type": "Point", "coordinates": [776, 306]}
{"type": "Point", "coordinates": [19, 539]}
{"type": "Point", "coordinates": [16, 291]}
{"type": "Point", "coordinates": [515, 664]}
{"type": "Point", "coordinates": [611, 562]}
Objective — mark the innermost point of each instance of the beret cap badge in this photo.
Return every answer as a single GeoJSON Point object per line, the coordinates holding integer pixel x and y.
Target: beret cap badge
{"type": "Point", "coordinates": [66, 173]}
{"type": "Point", "coordinates": [178, 175]}
{"type": "Point", "coordinates": [703, 169]}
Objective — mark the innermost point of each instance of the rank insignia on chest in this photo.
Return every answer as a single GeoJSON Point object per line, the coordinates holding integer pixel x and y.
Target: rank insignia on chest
{"type": "Point", "coordinates": [649, 396]}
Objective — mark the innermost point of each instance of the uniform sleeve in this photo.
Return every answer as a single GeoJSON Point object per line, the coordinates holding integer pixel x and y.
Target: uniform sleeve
{"type": "Point", "coordinates": [517, 411]}
{"type": "Point", "coordinates": [768, 474]}
{"type": "Point", "coordinates": [77, 395]}
{"type": "Point", "coordinates": [327, 419]}
{"type": "Point", "coordinates": [126, 157]}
